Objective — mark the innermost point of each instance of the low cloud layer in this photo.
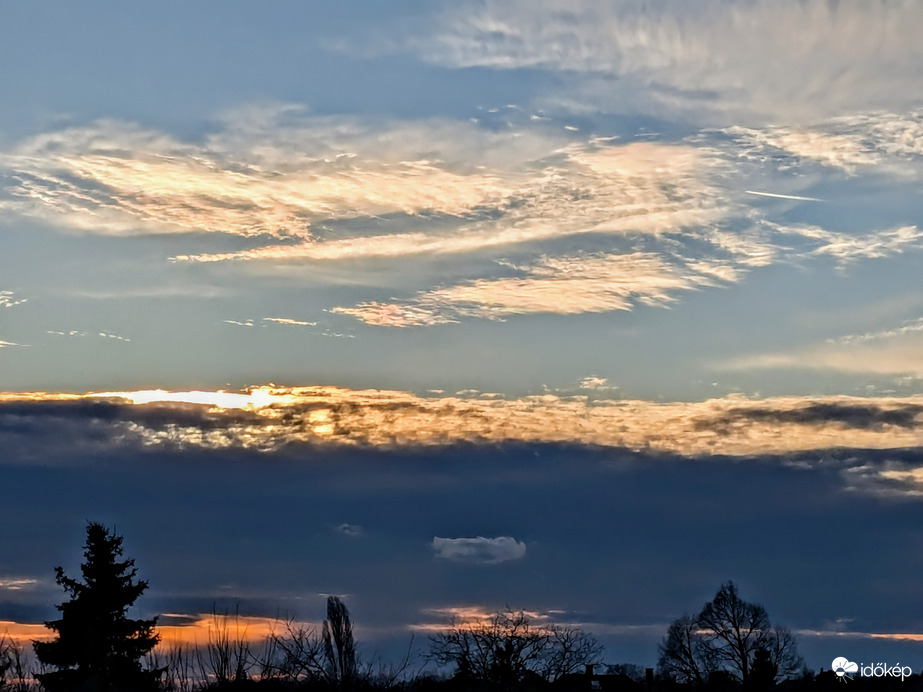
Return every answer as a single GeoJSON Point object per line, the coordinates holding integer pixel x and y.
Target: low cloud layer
{"type": "Point", "coordinates": [270, 419]}
{"type": "Point", "coordinates": [479, 549]}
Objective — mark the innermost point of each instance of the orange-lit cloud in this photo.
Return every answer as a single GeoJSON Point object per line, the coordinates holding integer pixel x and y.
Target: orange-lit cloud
{"type": "Point", "coordinates": [596, 187]}
{"type": "Point", "coordinates": [886, 141]}
{"type": "Point", "coordinates": [269, 418]}
{"type": "Point", "coordinates": [563, 286]}
{"type": "Point", "coordinates": [357, 194]}
{"type": "Point", "coordinates": [116, 178]}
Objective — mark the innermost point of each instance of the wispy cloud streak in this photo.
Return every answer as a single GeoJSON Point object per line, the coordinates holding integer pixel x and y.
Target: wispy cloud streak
{"type": "Point", "coordinates": [564, 286]}
{"type": "Point", "coordinates": [679, 56]}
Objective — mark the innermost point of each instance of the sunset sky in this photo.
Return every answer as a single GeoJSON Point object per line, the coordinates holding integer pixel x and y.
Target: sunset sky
{"type": "Point", "coordinates": [582, 307]}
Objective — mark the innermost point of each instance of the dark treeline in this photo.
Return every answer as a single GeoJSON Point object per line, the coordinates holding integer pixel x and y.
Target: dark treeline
{"type": "Point", "coordinates": [730, 645]}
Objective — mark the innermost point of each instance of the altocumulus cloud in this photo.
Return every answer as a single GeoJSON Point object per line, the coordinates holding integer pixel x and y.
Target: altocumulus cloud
{"type": "Point", "coordinates": [479, 549]}
{"type": "Point", "coordinates": [553, 221]}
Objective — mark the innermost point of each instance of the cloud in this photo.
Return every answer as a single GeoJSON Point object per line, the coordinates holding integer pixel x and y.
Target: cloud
{"type": "Point", "coordinates": [275, 418]}
{"type": "Point", "coordinates": [351, 530]}
{"type": "Point", "coordinates": [273, 175]}
{"type": "Point", "coordinates": [569, 223]}
{"type": "Point", "coordinates": [849, 415]}
{"type": "Point", "coordinates": [17, 583]}
{"type": "Point", "coordinates": [901, 478]}
{"type": "Point", "coordinates": [908, 327]}
{"type": "Point", "coordinates": [854, 143]}
{"type": "Point", "coordinates": [565, 190]}
{"type": "Point", "coordinates": [564, 286]}
{"type": "Point", "coordinates": [75, 332]}
{"type": "Point", "coordinates": [289, 321]}
{"type": "Point", "coordinates": [713, 55]}
{"type": "Point", "coordinates": [847, 248]}
{"type": "Point", "coordinates": [594, 382]}
{"type": "Point", "coordinates": [479, 550]}
{"type": "Point", "coordinates": [7, 300]}
{"type": "Point", "coordinates": [895, 351]}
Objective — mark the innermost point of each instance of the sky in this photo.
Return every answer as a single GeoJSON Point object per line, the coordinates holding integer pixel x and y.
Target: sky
{"type": "Point", "coordinates": [580, 307]}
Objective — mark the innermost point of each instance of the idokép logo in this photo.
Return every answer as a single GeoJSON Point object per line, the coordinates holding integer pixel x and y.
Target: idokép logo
{"type": "Point", "coordinates": [843, 668]}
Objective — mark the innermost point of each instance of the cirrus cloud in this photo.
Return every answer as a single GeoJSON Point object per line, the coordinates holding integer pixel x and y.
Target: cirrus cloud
{"type": "Point", "coordinates": [710, 55]}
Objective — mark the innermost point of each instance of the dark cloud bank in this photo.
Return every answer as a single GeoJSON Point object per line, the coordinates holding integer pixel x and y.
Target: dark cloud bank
{"type": "Point", "coordinates": [611, 537]}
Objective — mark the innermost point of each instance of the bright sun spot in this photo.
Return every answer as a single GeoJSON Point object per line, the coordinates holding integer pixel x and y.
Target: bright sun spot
{"type": "Point", "coordinates": [255, 399]}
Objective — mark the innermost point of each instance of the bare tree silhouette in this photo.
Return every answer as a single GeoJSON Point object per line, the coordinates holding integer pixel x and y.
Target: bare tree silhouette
{"type": "Point", "coordinates": [729, 636]}
{"type": "Point", "coordinates": [509, 650]}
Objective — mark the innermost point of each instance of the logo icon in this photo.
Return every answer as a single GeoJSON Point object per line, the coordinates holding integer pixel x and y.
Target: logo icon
{"type": "Point", "coordinates": [843, 667]}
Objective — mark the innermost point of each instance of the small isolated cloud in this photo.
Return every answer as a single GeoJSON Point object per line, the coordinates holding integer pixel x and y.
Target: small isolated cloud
{"type": "Point", "coordinates": [594, 382]}
{"type": "Point", "coordinates": [351, 530]}
{"type": "Point", "coordinates": [8, 299]}
{"type": "Point", "coordinates": [479, 550]}
{"type": "Point", "coordinates": [902, 478]}
{"type": "Point", "coordinates": [4, 344]}
{"type": "Point", "coordinates": [239, 323]}
{"type": "Point", "coordinates": [108, 335]}
{"type": "Point", "coordinates": [78, 333]}
{"type": "Point", "coordinates": [16, 583]}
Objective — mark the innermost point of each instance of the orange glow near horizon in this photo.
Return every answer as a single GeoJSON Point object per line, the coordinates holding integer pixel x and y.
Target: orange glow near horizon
{"type": "Point", "coordinates": [210, 627]}
{"type": "Point", "coordinates": [203, 629]}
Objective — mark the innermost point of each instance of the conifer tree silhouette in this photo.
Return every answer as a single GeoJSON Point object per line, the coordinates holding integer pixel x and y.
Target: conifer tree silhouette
{"type": "Point", "coordinates": [98, 648]}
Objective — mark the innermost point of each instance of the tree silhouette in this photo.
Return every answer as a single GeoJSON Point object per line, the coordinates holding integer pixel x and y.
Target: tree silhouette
{"type": "Point", "coordinates": [97, 647]}
{"type": "Point", "coordinates": [339, 645]}
{"type": "Point", "coordinates": [683, 653]}
{"type": "Point", "coordinates": [732, 636]}
{"type": "Point", "coordinates": [509, 650]}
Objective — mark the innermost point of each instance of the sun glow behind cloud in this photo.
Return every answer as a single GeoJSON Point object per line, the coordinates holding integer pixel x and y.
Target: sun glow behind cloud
{"type": "Point", "coordinates": [256, 398]}
{"type": "Point", "coordinates": [273, 418]}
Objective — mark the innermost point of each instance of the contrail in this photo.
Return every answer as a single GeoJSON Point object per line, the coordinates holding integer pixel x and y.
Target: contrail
{"type": "Point", "coordinates": [773, 194]}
